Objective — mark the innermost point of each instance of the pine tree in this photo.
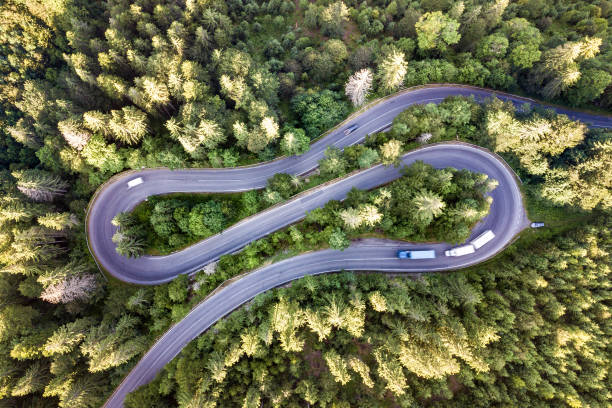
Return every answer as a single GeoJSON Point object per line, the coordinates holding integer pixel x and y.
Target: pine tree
{"type": "Point", "coordinates": [216, 366]}
{"type": "Point", "coordinates": [24, 133]}
{"type": "Point", "coordinates": [127, 245]}
{"type": "Point", "coordinates": [362, 369]}
{"type": "Point", "coordinates": [39, 185]}
{"type": "Point", "coordinates": [334, 310]}
{"type": "Point", "coordinates": [250, 342]}
{"type": "Point", "coordinates": [59, 221]}
{"type": "Point", "coordinates": [128, 125]}
{"type": "Point", "coordinates": [33, 380]}
{"type": "Point", "coordinates": [390, 371]}
{"type": "Point", "coordinates": [112, 344]}
{"type": "Point", "coordinates": [73, 133]}
{"type": "Point", "coordinates": [97, 122]}
{"type": "Point", "coordinates": [67, 337]}
{"type": "Point", "coordinates": [12, 209]}
{"type": "Point", "coordinates": [36, 244]}
{"type": "Point", "coordinates": [252, 399]}
{"type": "Point", "coordinates": [72, 288]}
{"type": "Point", "coordinates": [236, 89]}
{"type": "Point", "coordinates": [337, 366]}
{"type": "Point", "coordinates": [428, 206]}
{"type": "Point", "coordinates": [378, 301]}
{"type": "Point", "coordinates": [83, 392]}
{"type": "Point", "coordinates": [318, 323]}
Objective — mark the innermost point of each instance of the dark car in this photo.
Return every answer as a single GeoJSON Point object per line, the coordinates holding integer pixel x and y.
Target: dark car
{"type": "Point", "coordinates": [350, 129]}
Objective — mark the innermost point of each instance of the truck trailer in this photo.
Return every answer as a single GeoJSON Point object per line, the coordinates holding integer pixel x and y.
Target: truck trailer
{"type": "Point", "coordinates": [429, 254]}
{"type": "Point", "coordinates": [461, 250]}
{"type": "Point", "coordinates": [134, 182]}
{"type": "Point", "coordinates": [483, 238]}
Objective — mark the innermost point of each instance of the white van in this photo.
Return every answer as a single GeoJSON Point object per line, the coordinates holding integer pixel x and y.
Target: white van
{"type": "Point", "coordinates": [135, 182]}
{"type": "Point", "coordinates": [483, 239]}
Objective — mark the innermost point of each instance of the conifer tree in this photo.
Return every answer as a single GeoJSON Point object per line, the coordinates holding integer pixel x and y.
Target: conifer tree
{"type": "Point", "coordinates": [40, 185]}
{"type": "Point", "coordinates": [73, 133]}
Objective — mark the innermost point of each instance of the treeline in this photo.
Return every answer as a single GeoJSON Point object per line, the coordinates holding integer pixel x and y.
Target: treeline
{"type": "Point", "coordinates": [95, 88]}
{"type": "Point", "coordinates": [530, 329]}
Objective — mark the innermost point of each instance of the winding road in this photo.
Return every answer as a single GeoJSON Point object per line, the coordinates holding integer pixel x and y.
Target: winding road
{"type": "Point", "coordinates": [506, 218]}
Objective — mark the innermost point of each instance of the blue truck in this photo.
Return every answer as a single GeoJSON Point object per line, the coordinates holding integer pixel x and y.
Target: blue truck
{"type": "Point", "coordinates": [429, 254]}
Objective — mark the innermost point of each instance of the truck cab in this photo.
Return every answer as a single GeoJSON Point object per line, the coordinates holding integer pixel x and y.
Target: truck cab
{"type": "Point", "coordinates": [428, 254]}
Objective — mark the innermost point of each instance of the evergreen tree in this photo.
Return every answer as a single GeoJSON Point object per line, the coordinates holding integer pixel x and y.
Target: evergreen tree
{"type": "Point", "coordinates": [39, 185]}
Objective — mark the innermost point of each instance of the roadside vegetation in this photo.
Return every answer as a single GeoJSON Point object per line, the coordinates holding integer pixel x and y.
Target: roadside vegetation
{"type": "Point", "coordinates": [91, 88]}
{"type": "Point", "coordinates": [530, 329]}
{"type": "Point", "coordinates": [561, 162]}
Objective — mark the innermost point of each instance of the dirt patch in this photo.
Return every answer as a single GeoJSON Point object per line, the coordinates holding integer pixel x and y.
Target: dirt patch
{"type": "Point", "coordinates": [315, 361]}
{"type": "Point", "coordinates": [454, 385]}
{"type": "Point", "coordinates": [351, 32]}
{"type": "Point", "coordinates": [363, 349]}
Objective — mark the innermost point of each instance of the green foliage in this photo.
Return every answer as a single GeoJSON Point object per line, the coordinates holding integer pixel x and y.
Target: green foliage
{"type": "Point", "coordinates": [206, 219]}
{"type": "Point", "coordinates": [333, 164]}
{"type": "Point", "coordinates": [338, 240]}
{"type": "Point", "coordinates": [294, 142]}
{"type": "Point", "coordinates": [436, 30]}
{"type": "Point", "coordinates": [318, 111]}
{"type": "Point", "coordinates": [447, 339]}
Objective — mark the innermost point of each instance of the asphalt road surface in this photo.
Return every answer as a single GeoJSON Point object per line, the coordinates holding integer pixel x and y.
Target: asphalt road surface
{"type": "Point", "coordinates": [506, 218]}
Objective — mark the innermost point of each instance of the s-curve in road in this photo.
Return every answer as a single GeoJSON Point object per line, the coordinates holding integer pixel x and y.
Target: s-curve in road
{"type": "Point", "coordinates": [506, 218]}
{"type": "Point", "coordinates": [116, 196]}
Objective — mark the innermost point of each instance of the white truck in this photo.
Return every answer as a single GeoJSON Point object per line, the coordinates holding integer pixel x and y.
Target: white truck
{"type": "Point", "coordinates": [427, 254]}
{"type": "Point", "coordinates": [483, 238]}
{"type": "Point", "coordinates": [470, 248]}
{"type": "Point", "coordinates": [461, 250]}
{"type": "Point", "coordinates": [134, 182]}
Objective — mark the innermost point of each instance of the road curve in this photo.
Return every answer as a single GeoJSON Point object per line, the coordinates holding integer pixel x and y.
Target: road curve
{"type": "Point", "coordinates": [114, 196]}
{"type": "Point", "coordinates": [506, 218]}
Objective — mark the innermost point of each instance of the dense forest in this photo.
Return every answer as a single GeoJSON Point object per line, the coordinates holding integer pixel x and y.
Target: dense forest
{"type": "Point", "coordinates": [532, 329]}
{"type": "Point", "coordinates": [90, 88]}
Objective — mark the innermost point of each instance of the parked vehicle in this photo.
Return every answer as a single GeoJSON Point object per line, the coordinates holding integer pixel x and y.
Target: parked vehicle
{"type": "Point", "coordinates": [429, 254]}
{"type": "Point", "coordinates": [350, 129]}
{"type": "Point", "coordinates": [537, 224]}
{"type": "Point", "coordinates": [483, 238]}
{"type": "Point", "coordinates": [461, 250]}
{"type": "Point", "coordinates": [135, 182]}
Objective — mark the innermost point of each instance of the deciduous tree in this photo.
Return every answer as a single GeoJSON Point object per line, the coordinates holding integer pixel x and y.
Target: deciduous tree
{"type": "Point", "coordinates": [358, 86]}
